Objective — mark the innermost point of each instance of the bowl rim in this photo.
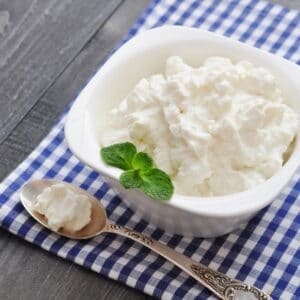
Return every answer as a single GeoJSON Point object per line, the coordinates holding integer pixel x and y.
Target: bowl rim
{"type": "Point", "coordinates": [217, 206]}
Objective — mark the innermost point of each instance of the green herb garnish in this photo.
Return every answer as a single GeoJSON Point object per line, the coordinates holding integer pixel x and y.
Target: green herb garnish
{"type": "Point", "coordinates": [119, 155]}
{"type": "Point", "coordinates": [139, 171]}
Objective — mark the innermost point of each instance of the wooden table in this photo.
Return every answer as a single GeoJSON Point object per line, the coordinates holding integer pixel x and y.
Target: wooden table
{"type": "Point", "coordinates": [47, 53]}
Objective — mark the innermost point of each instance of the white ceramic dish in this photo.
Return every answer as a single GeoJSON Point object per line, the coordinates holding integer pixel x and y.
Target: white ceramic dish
{"type": "Point", "coordinates": [142, 56]}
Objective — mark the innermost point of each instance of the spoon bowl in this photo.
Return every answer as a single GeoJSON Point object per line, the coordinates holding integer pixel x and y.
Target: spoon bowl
{"type": "Point", "coordinates": [32, 189]}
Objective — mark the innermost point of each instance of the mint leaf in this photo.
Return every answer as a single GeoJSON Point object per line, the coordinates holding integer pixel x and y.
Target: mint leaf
{"type": "Point", "coordinates": [131, 179]}
{"type": "Point", "coordinates": [142, 161]}
{"type": "Point", "coordinates": [157, 184]}
{"type": "Point", "coordinates": [119, 155]}
{"type": "Point", "coordinates": [139, 172]}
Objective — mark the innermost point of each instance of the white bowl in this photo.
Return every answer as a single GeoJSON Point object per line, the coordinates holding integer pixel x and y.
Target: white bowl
{"type": "Point", "coordinates": [140, 57]}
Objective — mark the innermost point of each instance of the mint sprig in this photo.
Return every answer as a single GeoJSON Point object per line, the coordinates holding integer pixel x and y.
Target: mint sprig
{"type": "Point", "coordinates": [139, 171]}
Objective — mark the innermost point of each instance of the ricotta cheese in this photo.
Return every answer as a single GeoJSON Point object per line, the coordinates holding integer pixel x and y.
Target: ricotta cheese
{"type": "Point", "coordinates": [64, 208]}
{"type": "Point", "coordinates": [217, 129]}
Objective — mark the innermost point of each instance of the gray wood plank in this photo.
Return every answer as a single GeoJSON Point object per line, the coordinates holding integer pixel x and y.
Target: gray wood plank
{"type": "Point", "coordinates": [293, 4]}
{"type": "Point", "coordinates": [43, 37]}
{"type": "Point", "coordinates": [30, 272]}
{"type": "Point", "coordinates": [40, 119]}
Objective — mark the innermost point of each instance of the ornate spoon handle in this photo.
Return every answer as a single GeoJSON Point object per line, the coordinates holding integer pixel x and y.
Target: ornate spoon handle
{"type": "Point", "coordinates": [220, 284]}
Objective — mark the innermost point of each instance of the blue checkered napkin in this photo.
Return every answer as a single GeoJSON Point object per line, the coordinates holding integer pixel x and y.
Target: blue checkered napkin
{"type": "Point", "coordinates": [265, 252]}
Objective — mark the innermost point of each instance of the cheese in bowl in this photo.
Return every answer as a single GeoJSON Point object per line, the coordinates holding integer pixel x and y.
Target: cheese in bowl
{"type": "Point", "coordinates": [216, 129]}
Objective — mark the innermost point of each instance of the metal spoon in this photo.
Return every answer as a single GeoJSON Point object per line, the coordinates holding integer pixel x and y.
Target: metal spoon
{"type": "Point", "coordinates": [220, 284]}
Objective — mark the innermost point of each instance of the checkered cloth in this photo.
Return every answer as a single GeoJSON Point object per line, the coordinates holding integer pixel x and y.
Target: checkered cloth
{"type": "Point", "coordinates": [265, 252]}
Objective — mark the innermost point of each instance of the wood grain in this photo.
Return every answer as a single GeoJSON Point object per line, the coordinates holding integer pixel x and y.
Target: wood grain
{"type": "Point", "coordinates": [293, 4]}
{"type": "Point", "coordinates": [43, 37]}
